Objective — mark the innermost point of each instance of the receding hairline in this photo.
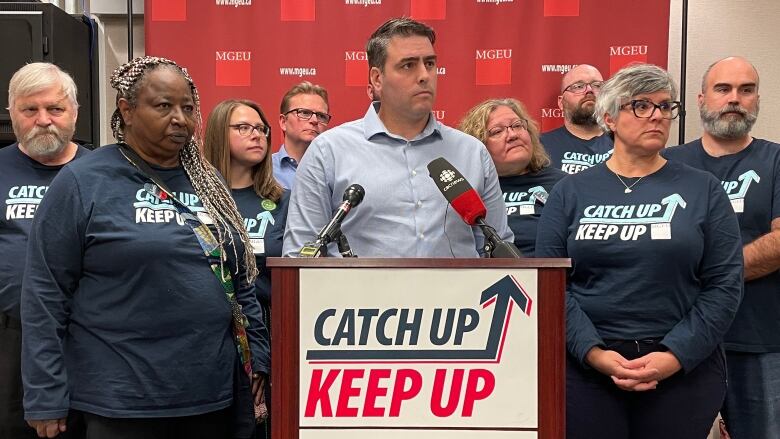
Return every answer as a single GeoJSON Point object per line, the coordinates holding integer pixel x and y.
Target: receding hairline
{"type": "Point", "coordinates": [705, 76]}
{"type": "Point", "coordinates": [579, 67]}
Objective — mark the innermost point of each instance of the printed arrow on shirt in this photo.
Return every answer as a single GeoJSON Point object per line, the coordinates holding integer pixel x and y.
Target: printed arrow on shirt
{"type": "Point", "coordinates": [520, 203]}
{"type": "Point", "coordinates": [747, 178]}
{"type": "Point", "coordinates": [264, 217]}
{"type": "Point", "coordinates": [530, 201]}
{"type": "Point", "coordinates": [499, 294]}
{"type": "Point", "coordinates": [23, 201]}
{"type": "Point", "coordinates": [672, 201]}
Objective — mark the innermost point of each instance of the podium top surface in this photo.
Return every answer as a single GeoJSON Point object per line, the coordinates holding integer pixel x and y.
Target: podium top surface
{"type": "Point", "coordinates": [417, 263]}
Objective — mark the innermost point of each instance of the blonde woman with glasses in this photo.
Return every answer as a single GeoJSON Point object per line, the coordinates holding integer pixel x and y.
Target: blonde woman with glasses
{"type": "Point", "coordinates": [524, 172]}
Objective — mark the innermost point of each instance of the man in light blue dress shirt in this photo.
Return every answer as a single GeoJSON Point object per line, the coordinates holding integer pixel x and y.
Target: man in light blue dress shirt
{"type": "Point", "coordinates": [303, 115]}
{"type": "Point", "coordinates": [403, 213]}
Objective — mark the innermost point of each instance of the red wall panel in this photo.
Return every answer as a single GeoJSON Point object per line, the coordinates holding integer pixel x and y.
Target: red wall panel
{"type": "Point", "coordinates": [257, 49]}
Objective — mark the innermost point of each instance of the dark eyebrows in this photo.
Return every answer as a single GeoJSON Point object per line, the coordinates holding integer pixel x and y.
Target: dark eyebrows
{"type": "Point", "coordinates": [417, 58]}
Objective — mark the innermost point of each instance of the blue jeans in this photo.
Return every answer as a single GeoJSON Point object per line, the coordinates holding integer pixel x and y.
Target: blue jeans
{"type": "Point", "coordinates": [752, 407]}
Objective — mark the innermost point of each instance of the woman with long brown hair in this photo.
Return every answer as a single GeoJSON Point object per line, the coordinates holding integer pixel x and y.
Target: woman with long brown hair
{"type": "Point", "coordinates": [238, 139]}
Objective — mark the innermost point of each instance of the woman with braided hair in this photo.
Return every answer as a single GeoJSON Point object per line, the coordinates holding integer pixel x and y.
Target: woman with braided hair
{"type": "Point", "coordinates": [138, 297]}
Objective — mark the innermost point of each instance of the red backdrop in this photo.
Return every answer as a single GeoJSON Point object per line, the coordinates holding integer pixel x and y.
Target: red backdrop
{"type": "Point", "coordinates": [257, 49]}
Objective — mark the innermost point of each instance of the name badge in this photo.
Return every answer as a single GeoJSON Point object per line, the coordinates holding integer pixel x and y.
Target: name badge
{"type": "Point", "coordinates": [661, 231]}
{"type": "Point", "coordinates": [205, 218]}
{"type": "Point", "coordinates": [527, 209]}
{"type": "Point", "coordinates": [738, 204]}
{"type": "Point", "coordinates": [258, 245]}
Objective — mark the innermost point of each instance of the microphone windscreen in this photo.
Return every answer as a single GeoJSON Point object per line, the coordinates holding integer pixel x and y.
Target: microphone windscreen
{"type": "Point", "coordinates": [457, 190]}
{"type": "Point", "coordinates": [469, 206]}
{"type": "Point", "coordinates": [354, 194]}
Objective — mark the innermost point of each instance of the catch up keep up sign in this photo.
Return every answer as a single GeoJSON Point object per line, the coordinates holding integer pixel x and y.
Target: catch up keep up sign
{"type": "Point", "coordinates": [420, 353]}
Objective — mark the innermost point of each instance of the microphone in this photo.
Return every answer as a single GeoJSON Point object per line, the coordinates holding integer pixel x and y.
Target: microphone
{"type": "Point", "coordinates": [458, 192]}
{"type": "Point", "coordinates": [469, 206]}
{"type": "Point", "coordinates": [353, 195]}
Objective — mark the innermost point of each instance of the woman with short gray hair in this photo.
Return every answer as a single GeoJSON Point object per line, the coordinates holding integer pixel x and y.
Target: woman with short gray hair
{"type": "Point", "coordinates": [656, 275]}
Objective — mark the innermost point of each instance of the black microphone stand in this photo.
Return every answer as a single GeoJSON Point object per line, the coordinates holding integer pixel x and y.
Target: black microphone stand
{"type": "Point", "coordinates": [343, 245]}
{"type": "Point", "coordinates": [319, 248]}
{"type": "Point", "coordinates": [495, 247]}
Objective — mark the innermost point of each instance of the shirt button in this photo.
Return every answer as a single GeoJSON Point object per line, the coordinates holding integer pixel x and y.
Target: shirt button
{"type": "Point", "coordinates": [419, 203]}
{"type": "Point", "coordinates": [414, 173]}
{"type": "Point", "coordinates": [422, 236]}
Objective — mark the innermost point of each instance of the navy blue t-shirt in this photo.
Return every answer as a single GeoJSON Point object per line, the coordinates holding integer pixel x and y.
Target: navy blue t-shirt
{"type": "Point", "coordinates": [663, 261]}
{"type": "Point", "coordinates": [264, 220]}
{"type": "Point", "coordinates": [751, 179]}
{"type": "Point", "coordinates": [23, 182]}
{"type": "Point", "coordinates": [115, 273]}
{"type": "Point", "coordinates": [525, 196]}
{"type": "Point", "coordinates": [571, 154]}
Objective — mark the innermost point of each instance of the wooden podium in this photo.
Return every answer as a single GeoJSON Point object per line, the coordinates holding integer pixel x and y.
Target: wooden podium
{"type": "Point", "coordinates": [424, 348]}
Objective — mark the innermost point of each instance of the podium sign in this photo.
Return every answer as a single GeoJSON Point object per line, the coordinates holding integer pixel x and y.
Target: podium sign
{"type": "Point", "coordinates": [424, 352]}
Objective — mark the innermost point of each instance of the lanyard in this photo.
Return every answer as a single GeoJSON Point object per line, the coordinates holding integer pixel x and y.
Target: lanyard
{"type": "Point", "coordinates": [210, 246]}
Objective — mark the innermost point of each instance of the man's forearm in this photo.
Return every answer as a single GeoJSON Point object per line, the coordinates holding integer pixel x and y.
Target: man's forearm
{"type": "Point", "coordinates": [762, 256]}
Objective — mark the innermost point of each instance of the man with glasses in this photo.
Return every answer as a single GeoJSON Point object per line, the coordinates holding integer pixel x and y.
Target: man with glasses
{"type": "Point", "coordinates": [749, 170]}
{"type": "Point", "coordinates": [579, 143]}
{"type": "Point", "coordinates": [304, 115]}
{"type": "Point", "coordinates": [403, 213]}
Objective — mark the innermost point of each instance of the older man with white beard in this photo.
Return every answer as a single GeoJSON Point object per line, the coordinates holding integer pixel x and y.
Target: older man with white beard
{"type": "Point", "coordinates": [43, 107]}
{"type": "Point", "coordinates": [749, 170]}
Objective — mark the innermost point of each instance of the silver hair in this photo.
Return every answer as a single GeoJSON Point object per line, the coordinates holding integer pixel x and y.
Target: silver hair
{"type": "Point", "coordinates": [631, 81]}
{"type": "Point", "coordinates": [38, 76]}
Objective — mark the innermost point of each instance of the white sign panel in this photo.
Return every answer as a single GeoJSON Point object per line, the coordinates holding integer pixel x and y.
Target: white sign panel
{"type": "Point", "coordinates": [428, 434]}
{"type": "Point", "coordinates": [435, 351]}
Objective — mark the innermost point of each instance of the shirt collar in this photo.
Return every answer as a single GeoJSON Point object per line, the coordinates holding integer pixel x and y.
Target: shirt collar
{"type": "Point", "coordinates": [284, 157]}
{"type": "Point", "coordinates": [372, 125]}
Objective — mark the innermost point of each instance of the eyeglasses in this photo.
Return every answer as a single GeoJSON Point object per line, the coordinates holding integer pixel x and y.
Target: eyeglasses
{"type": "Point", "coordinates": [645, 109]}
{"type": "Point", "coordinates": [579, 87]}
{"type": "Point", "coordinates": [518, 125]}
{"type": "Point", "coordinates": [304, 114]}
{"type": "Point", "coordinates": [245, 129]}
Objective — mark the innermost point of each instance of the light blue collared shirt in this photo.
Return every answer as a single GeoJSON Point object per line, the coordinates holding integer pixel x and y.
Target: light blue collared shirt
{"type": "Point", "coordinates": [403, 213]}
{"type": "Point", "coordinates": [284, 167]}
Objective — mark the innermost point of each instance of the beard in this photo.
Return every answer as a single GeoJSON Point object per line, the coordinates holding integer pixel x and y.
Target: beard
{"type": "Point", "coordinates": [728, 127]}
{"type": "Point", "coordinates": [44, 142]}
{"type": "Point", "coordinates": [581, 115]}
